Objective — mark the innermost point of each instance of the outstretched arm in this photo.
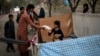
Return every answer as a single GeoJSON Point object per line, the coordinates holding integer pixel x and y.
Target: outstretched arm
{"type": "Point", "coordinates": [32, 24]}
{"type": "Point", "coordinates": [49, 33]}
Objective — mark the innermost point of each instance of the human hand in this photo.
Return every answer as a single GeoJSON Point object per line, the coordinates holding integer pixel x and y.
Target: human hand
{"type": "Point", "coordinates": [43, 28]}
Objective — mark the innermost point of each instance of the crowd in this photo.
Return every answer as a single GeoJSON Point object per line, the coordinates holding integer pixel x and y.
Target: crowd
{"type": "Point", "coordinates": [24, 18]}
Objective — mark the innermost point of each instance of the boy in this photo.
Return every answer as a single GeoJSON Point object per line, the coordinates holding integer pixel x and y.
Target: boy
{"type": "Point", "coordinates": [9, 32]}
{"type": "Point", "coordinates": [57, 32]}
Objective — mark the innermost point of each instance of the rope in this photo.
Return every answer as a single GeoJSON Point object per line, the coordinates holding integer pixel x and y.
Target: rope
{"type": "Point", "coordinates": [8, 40]}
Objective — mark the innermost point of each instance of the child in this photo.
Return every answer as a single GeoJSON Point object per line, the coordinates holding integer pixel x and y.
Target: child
{"type": "Point", "coordinates": [10, 32]}
{"type": "Point", "coordinates": [57, 32]}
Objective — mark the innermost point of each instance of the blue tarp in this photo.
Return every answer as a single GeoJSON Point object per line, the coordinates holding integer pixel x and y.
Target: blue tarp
{"type": "Point", "coordinates": [85, 46]}
{"type": "Point", "coordinates": [66, 2]}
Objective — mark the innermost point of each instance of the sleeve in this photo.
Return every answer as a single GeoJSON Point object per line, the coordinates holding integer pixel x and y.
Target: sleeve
{"type": "Point", "coordinates": [5, 29]}
{"type": "Point", "coordinates": [52, 31]}
{"type": "Point", "coordinates": [61, 33]}
{"type": "Point", "coordinates": [31, 23]}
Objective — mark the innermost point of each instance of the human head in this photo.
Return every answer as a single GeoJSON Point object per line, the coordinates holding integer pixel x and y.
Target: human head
{"type": "Point", "coordinates": [57, 24]}
{"type": "Point", "coordinates": [22, 9]}
{"type": "Point", "coordinates": [10, 16]}
{"type": "Point", "coordinates": [30, 8]}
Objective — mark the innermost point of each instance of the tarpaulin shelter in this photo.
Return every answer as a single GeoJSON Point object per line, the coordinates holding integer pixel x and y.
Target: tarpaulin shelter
{"type": "Point", "coordinates": [66, 26]}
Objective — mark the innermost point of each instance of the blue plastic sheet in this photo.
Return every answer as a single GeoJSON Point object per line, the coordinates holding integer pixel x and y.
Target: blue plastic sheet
{"type": "Point", "coordinates": [66, 2]}
{"type": "Point", "coordinates": [84, 46]}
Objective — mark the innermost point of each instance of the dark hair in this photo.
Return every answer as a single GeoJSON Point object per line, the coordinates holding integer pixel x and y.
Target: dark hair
{"type": "Point", "coordinates": [29, 6]}
{"type": "Point", "coordinates": [10, 15]}
{"type": "Point", "coordinates": [21, 8]}
{"type": "Point", "coordinates": [57, 23]}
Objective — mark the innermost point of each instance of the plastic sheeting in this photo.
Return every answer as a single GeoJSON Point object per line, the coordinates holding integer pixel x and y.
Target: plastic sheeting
{"type": "Point", "coordinates": [66, 2]}
{"type": "Point", "coordinates": [86, 24]}
{"type": "Point", "coordinates": [86, 46]}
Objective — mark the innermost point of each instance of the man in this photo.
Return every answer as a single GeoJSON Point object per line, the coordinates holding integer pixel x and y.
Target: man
{"type": "Point", "coordinates": [23, 29]}
{"type": "Point", "coordinates": [9, 30]}
{"type": "Point", "coordinates": [19, 14]}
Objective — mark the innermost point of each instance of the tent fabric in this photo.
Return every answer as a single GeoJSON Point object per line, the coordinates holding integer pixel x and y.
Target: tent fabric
{"type": "Point", "coordinates": [66, 26]}
{"type": "Point", "coordinates": [66, 2]}
{"type": "Point", "coordinates": [86, 24]}
{"type": "Point", "coordinates": [85, 46]}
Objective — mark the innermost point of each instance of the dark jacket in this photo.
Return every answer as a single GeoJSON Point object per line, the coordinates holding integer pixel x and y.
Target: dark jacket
{"type": "Point", "coordinates": [59, 31]}
{"type": "Point", "coordinates": [9, 30]}
{"type": "Point", "coordinates": [42, 13]}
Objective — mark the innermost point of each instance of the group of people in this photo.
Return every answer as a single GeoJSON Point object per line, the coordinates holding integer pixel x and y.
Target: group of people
{"type": "Point", "coordinates": [24, 18]}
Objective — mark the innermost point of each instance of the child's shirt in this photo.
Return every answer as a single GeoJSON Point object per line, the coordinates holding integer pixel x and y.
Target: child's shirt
{"type": "Point", "coordinates": [57, 31]}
